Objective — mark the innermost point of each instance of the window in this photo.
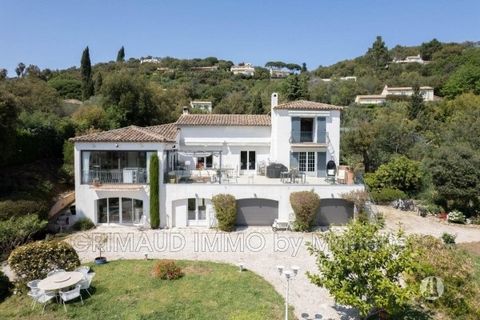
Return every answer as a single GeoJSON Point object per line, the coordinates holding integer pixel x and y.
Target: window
{"type": "Point", "coordinates": [306, 161]}
{"type": "Point", "coordinates": [197, 209]}
{"type": "Point", "coordinates": [205, 162]}
{"type": "Point", "coordinates": [306, 130]}
{"type": "Point", "coordinates": [247, 160]}
{"type": "Point", "coordinates": [109, 209]}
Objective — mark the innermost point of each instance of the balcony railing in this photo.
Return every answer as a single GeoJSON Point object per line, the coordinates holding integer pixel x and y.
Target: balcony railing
{"type": "Point", "coordinates": [308, 136]}
{"type": "Point", "coordinates": [115, 176]}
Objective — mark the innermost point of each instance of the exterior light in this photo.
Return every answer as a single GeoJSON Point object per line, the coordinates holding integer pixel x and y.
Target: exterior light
{"type": "Point", "coordinates": [280, 269]}
{"type": "Point", "coordinates": [241, 266]}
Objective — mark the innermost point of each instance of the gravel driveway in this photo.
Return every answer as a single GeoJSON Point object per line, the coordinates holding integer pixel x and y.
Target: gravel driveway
{"type": "Point", "coordinates": [259, 249]}
{"type": "Point", "coordinates": [413, 223]}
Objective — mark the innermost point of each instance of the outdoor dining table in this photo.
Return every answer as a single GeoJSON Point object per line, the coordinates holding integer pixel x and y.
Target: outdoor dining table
{"type": "Point", "coordinates": [60, 280]}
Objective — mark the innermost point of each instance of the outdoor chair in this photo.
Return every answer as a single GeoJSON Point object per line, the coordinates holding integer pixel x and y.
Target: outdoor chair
{"type": "Point", "coordinates": [341, 176]}
{"type": "Point", "coordinates": [41, 297]}
{"type": "Point", "coordinates": [33, 284]}
{"type": "Point", "coordinates": [86, 282]}
{"type": "Point", "coordinates": [55, 271]}
{"type": "Point", "coordinates": [70, 295]}
{"type": "Point", "coordinates": [84, 270]}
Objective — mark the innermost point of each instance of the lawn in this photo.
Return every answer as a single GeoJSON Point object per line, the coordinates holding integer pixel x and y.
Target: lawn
{"type": "Point", "coordinates": [126, 290]}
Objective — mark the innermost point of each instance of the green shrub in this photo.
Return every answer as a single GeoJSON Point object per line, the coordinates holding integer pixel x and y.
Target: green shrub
{"type": "Point", "coordinates": [17, 231]}
{"type": "Point", "coordinates": [5, 286]}
{"type": "Point", "coordinates": [475, 219]}
{"type": "Point", "coordinates": [167, 270]}
{"type": "Point", "coordinates": [400, 173]}
{"type": "Point", "coordinates": [154, 192]}
{"type": "Point", "coordinates": [18, 208]}
{"type": "Point", "coordinates": [448, 238]}
{"type": "Point", "coordinates": [461, 296]}
{"type": "Point", "coordinates": [456, 216]}
{"type": "Point", "coordinates": [83, 224]}
{"type": "Point", "coordinates": [387, 195]}
{"type": "Point", "coordinates": [225, 206]}
{"type": "Point", "coordinates": [305, 205]}
{"type": "Point", "coordinates": [34, 260]}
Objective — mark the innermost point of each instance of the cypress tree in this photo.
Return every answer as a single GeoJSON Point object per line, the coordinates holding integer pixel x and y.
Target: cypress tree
{"type": "Point", "coordinates": [98, 83]}
{"type": "Point", "coordinates": [257, 105]}
{"type": "Point", "coordinates": [154, 192]}
{"type": "Point", "coordinates": [121, 55]}
{"type": "Point", "coordinates": [86, 73]}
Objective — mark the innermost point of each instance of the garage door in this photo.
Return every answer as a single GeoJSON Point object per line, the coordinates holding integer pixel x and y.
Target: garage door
{"type": "Point", "coordinates": [334, 211]}
{"type": "Point", "coordinates": [256, 212]}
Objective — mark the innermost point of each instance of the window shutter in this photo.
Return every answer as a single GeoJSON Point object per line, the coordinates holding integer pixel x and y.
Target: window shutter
{"type": "Point", "coordinates": [321, 130]}
{"type": "Point", "coordinates": [295, 129]}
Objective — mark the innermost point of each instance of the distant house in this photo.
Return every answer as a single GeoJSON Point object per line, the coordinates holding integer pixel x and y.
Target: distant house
{"type": "Point", "coordinates": [427, 93]}
{"type": "Point", "coordinates": [352, 78]}
{"type": "Point", "coordinates": [411, 59]}
{"type": "Point", "coordinates": [201, 105]}
{"type": "Point", "coordinates": [211, 68]}
{"type": "Point", "coordinates": [279, 73]}
{"type": "Point", "coordinates": [151, 60]}
{"type": "Point", "coordinates": [246, 69]}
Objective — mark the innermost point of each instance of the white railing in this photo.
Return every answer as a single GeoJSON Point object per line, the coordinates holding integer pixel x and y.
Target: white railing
{"type": "Point", "coordinates": [115, 176]}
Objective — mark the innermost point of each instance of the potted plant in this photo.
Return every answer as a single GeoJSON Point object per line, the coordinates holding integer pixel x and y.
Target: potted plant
{"type": "Point", "coordinates": [99, 242]}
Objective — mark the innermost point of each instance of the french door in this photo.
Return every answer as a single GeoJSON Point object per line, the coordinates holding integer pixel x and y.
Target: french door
{"type": "Point", "coordinates": [306, 162]}
{"type": "Point", "coordinates": [197, 212]}
{"type": "Point", "coordinates": [248, 162]}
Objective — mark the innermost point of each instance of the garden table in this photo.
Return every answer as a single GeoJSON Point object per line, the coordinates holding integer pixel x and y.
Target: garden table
{"type": "Point", "coordinates": [60, 280]}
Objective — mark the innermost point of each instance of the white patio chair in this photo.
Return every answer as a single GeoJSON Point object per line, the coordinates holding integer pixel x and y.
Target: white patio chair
{"type": "Point", "coordinates": [41, 297]}
{"type": "Point", "coordinates": [83, 269]}
{"type": "Point", "coordinates": [55, 271]}
{"type": "Point", "coordinates": [33, 284]}
{"type": "Point", "coordinates": [70, 295]}
{"type": "Point", "coordinates": [86, 282]}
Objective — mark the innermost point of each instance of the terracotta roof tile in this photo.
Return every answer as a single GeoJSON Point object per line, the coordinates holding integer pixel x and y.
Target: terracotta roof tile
{"type": "Point", "coordinates": [127, 134]}
{"type": "Point", "coordinates": [224, 120]}
{"type": "Point", "coordinates": [168, 130]}
{"type": "Point", "coordinates": [307, 105]}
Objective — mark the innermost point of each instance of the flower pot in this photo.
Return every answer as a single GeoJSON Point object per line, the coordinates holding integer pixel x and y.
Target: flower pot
{"type": "Point", "coordinates": [100, 260]}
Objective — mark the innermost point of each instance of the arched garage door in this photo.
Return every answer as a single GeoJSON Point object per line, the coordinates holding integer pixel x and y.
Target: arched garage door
{"type": "Point", "coordinates": [256, 212]}
{"type": "Point", "coordinates": [334, 211]}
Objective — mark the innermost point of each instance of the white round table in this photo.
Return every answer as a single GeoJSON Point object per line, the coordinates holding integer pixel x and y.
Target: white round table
{"type": "Point", "coordinates": [60, 280]}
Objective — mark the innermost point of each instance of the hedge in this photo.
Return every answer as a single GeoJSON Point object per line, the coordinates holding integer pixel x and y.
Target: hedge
{"type": "Point", "coordinates": [18, 208]}
{"type": "Point", "coordinates": [387, 195]}
{"type": "Point", "coordinates": [17, 231]}
{"type": "Point", "coordinates": [305, 205]}
{"type": "Point", "coordinates": [34, 260]}
{"type": "Point", "coordinates": [225, 206]}
{"type": "Point", "coordinates": [83, 224]}
{"type": "Point", "coordinates": [154, 192]}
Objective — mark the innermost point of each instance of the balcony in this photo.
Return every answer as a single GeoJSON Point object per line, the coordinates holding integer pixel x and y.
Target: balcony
{"type": "Point", "coordinates": [308, 137]}
{"type": "Point", "coordinates": [115, 176]}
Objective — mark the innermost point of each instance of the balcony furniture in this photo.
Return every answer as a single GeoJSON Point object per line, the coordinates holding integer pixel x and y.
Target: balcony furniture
{"type": "Point", "coordinates": [60, 281]}
{"type": "Point", "coordinates": [70, 295]}
{"type": "Point", "coordinates": [341, 176]}
{"type": "Point", "coordinates": [33, 284]}
{"type": "Point", "coordinates": [331, 171]}
{"type": "Point", "coordinates": [83, 269]}
{"type": "Point", "coordinates": [274, 170]}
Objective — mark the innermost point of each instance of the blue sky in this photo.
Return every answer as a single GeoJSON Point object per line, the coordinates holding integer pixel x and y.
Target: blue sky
{"type": "Point", "coordinates": [52, 33]}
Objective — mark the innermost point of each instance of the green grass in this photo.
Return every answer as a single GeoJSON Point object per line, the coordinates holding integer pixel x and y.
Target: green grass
{"type": "Point", "coordinates": [126, 290]}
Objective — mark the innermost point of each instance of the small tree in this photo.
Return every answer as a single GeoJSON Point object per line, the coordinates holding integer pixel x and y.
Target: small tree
{"type": "Point", "coordinates": [363, 267]}
{"type": "Point", "coordinates": [86, 74]}
{"type": "Point", "coordinates": [305, 205]}
{"type": "Point", "coordinates": [121, 55]}
{"type": "Point", "coordinates": [257, 105]}
{"type": "Point", "coordinates": [225, 206]}
{"type": "Point", "coordinates": [154, 192]}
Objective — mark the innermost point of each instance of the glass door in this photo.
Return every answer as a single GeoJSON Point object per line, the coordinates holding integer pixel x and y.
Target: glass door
{"type": "Point", "coordinates": [306, 162]}
{"type": "Point", "coordinates": [248, 162]}
{"type": "Point", "coordinates": [197, 212]}
{"type": "Point", "coordinates": [127, 210]}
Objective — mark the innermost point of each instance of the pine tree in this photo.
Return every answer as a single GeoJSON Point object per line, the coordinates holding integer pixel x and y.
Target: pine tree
{"type": "Point", "coordinates": [293, 88]}
{"type": "Point", "coordinates": [257, 105]}
{"type": "Point", "coordinates": [378, 54]}
{"type": "Point", "coordinates": [86, 73]}
{"type": "Point", "coordinates": [121, 55]}
{"type": "Point", "coordinates": [303, 87]}
{"type": "Point", "coordinates": [20, 69]}
{"type": "Point", "coordinates": [304, 68]}
{"type": "Point", "coordinates": [416, 103]}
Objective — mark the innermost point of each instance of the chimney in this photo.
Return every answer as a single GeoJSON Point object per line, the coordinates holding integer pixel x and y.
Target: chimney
{"type": "Point", "coordinates": [274, 100]}
{"type": "Point", "coordinates": [185, 110]}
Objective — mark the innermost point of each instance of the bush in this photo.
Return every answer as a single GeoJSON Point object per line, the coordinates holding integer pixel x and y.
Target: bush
{"type": "Point", "coordinates": [17, 231]}
{"type": "Point", "coordinates": [448, 238]}
{"type": "Point", "coordinates": [5, 286]}
{"type": "Point", "coordinates": [18, 208]}
{"type": "Point", "coordinates": [225, 206]}
{"type": "Point", "coordinates": [83, 224]}
{"type": "Point", "coordinates": [460, 299]}
{"type": "Point", "coordinates": [154, 192]}
{"type": "Point", "coordinates": [305, 205]}
{"type": "Point", "coordinates": [387, 195]}
{"type": "Point", "coordinates": [475, 219]}
{"type": "Point", "coordinates": [456, 216]}
{"type": "Point", "coordinates": [167, 270]}
{"type": "Point", "coordinates": [400, 173]}
{"type": "Point", "coordinates": [34, 260]}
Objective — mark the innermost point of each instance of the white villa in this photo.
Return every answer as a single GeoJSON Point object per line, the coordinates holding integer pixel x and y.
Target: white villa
{"type": "Point", "coordinates": [205, 106]}
{"type": "Point", "coordinates": [246, 69]}
{"type": "Point", "coordinates": [427, 93]}
{"type": "Point", "coordinates": [260, 159]}
{"type": "Point", "coordinates": [411, 59]}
